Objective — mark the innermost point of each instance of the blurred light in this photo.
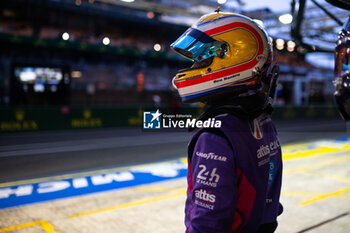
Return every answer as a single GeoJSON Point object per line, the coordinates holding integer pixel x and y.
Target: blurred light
{"type": "Point", "coordinates": [279, 47]}
{"type": "Point", "coordinates": [76, 74]}
{"type": "Point", "coordinates": [102, 86]}
{"type": "Point", "coordinates": [65, 36]}
{"type": "Point", "coordinates": [91, 1]}
{"type": "Point", "coordinates": [8, 13]}
{"type": "Point", "coordinates": [150, 15]}
{"type": "Point", "coordinates": [302, 49]}
{"type": "Point", "coordinates": [279, 44]}
{"type": "Point", "coordinates": [290, 46]}
{"type": "Point", "coordinates": [65, 109]}
{"type": "Point", "coordinates": [258, 21]}
{"type": "Point", "coordinates": [157, 47]}
{"type": "Point", "coordinates": [78, 2]}
{"type": "Point", "coordinates": [286, 18]}
{"type": "Point", "coordinates": [38, 87]}
{"type": "Point", "coordinates": [127, 0]}
{"type": "Point", "coordinates": [53, 88]}
{"type": "Point", "coordinates": [25, 87]}
{"type": "Point", "coordinates": [313, 47]}
{"type": "Point", "coordinates": [66, 79]}
{"type": "Point", "coordinates": [106, 41]}
{"type": "Point", "coordinates": [140, 82]}
{"type": "Point", "coordinates": [221, 1]}
{"type": "Point", "coordinates": [27, 76]}
{"type": "Point", "coordinates": [271, 39]}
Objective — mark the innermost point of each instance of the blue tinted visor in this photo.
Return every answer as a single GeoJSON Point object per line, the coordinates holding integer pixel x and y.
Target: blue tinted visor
{"type": "Point", "coordinates": [197, 45]}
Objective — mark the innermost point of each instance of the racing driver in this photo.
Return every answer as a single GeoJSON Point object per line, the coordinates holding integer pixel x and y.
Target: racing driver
{"type": "Point", "coordinates": [235, 171]}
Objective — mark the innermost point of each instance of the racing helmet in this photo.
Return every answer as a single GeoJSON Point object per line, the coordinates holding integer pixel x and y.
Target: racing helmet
{"type": "Point", "coordinates": [342, 71]}
{"type": "Point", "coordinates": [230, 52]}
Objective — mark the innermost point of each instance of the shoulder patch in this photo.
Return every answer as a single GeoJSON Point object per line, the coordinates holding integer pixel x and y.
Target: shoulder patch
{"type": "Point", "coordinates": [256, 131]}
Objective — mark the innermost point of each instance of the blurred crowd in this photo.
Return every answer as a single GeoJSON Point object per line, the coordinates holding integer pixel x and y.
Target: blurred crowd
{"type": "Point", "coordinates": [117, 76]}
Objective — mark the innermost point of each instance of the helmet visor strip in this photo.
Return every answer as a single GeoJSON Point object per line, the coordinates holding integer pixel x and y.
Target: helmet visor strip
{"type": "Point", "coordinates": [198, 46]}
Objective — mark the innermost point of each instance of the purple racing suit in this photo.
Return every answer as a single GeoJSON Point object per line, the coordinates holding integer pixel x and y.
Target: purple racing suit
{"type": "Point", "coordinates": [234, 177]}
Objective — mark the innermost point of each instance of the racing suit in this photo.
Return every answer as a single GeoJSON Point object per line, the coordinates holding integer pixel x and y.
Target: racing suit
{"type": "Point", "coordinates": [234, 177]}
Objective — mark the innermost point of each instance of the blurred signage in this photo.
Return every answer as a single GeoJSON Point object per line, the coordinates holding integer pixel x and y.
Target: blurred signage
{"type": "Point", "coordinates": [40, 75]}
{"type": "Point", "coordinates": [18, 123]}
{"type": "Point", "coordinates": [136, 120]}
{"type": "Point", "coordinates": [87, 121]}
{"type": "Point", "coordinates": [38, 84]}
{"type": "Point", "coordinates": [70, 117]}
{"type": "Point", "coordinates": [59, 187]}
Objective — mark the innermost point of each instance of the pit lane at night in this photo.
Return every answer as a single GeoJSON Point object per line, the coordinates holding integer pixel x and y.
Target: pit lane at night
{"type": "Point", "coordinates": [135, 180]}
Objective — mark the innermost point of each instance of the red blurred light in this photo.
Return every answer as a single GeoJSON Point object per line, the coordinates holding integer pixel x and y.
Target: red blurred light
{"type": "Point", "coordinates": [150, 15]}
{"type": "Point", "coordinates": [140, 82]}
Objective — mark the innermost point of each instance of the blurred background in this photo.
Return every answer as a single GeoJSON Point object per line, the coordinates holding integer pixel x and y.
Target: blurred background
{"type": "Point", "coordinates": [63, 61]}
{"type": "Point", "coordinates": [98, 64]}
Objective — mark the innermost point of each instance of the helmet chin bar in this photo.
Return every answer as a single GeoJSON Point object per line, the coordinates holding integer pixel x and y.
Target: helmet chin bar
{"type": "Point", "coordinates": [269, 82]}
{"type": "Point", "coordinates": [273, 81]}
